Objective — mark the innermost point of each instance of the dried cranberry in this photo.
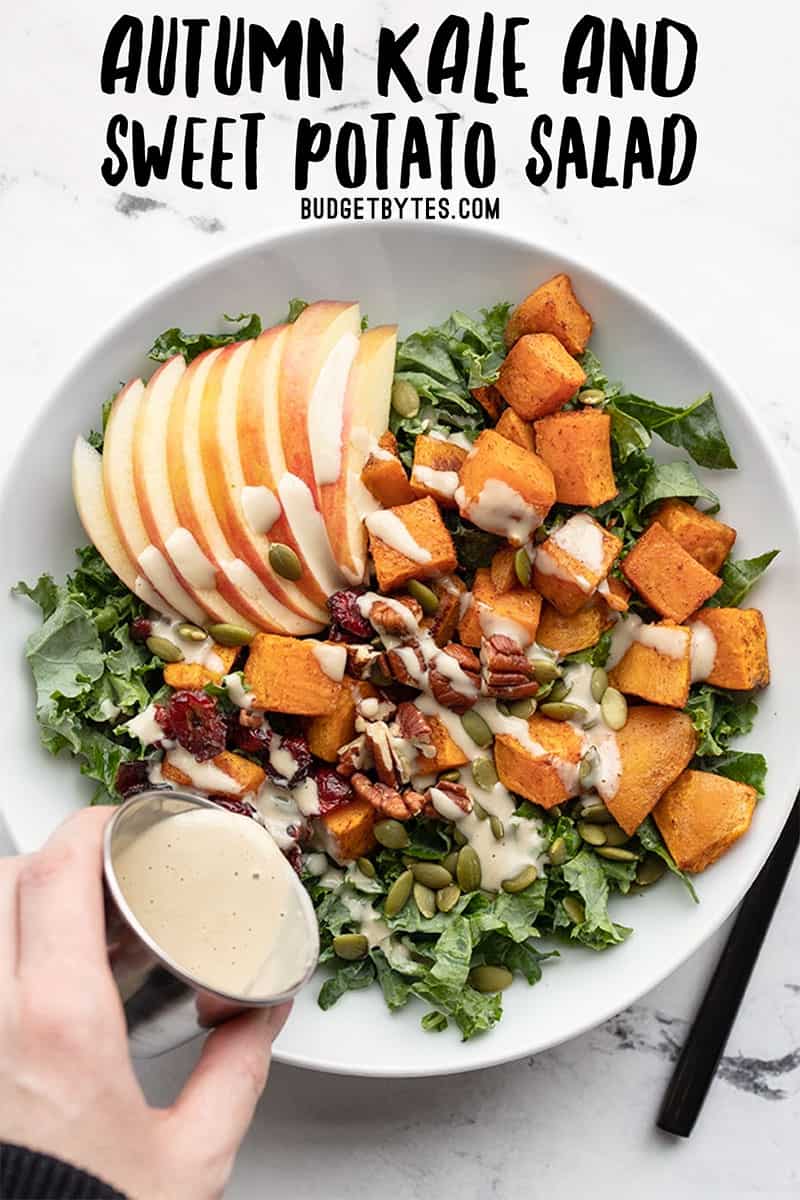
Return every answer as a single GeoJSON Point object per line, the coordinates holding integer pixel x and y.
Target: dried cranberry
{"type": "Point", "coordinates": [242, 807]}
{"type": "Point", "coordinates": [132, 777]}
{"type": "Point", "coordinates": [141, 629]}
{"type": "Point", "coordinates": [295, 857]}
{"type": "Point", "coordinates": [252, 741]}
{"type": "Point", "coordinates": [297, 746]}
{"type": "Point", "coordinates": [333, 791]}
{"type": "Point", "coordinates": [346, 615]}
{"type": "Point", "coordinates": [195, 721]}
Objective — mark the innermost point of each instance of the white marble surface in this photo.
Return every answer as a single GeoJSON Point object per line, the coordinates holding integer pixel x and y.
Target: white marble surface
{"type": "Point", "coordinates": [720, 255]}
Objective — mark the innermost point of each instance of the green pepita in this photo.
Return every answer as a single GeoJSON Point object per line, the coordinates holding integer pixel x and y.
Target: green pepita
{"type": "Point", "coordinates": [450, 776]}
{"type": "Point", "coordinates": [230, 635]}
{"type": "Point", "coordinates": [447, 898]}
{"type": "Point", "coordinates": [284, 561]}
{"type": "Point", "coordinates": [503, 708]}
{"type": "Point", "coordinates": [459, 838]}
{"type": "Point", "coordinates": [545, 671]}
{"type": "Point", "coordinates": [599, 683]}
{"type": "Point", "coordinates": [476, 728]}
{"type": "Point", "coordinates": [594, 835]}
{"type": "Point", "coordinates": [522, 880]}
{"type": "Point", "coordinates": [425, 900]}
{"type": "Point", "coordinates": [562, 710]}
{"type": "Point", "coordinates": [522, 709]}
{"type": "Point", "coordinates": [398, 894]}
{"type": "Point", "coordinates": [614, 708]}
{"type": "Point", "coordinates": [425, 597]}
{"type": "Point", "coordinates": [366, 868]}
{"type": "Point", "coordinates": [522, 566]}
{"type": "Point", "coordinates": [559, 691]}
{"type": "Point", "coordinates": [596, 813]}
{"type": "Point", "coordinates": [468, 870]}
{"type": "Point", "coordinates": [616, 854]}
{"type": "Point", "coordinates": [558, 852]}
{"type": "Point", "coordinates": [651, 870]}
{"type": "Point", "coordinates": [498, 828]}
{"type": "Point", "coordinates": [479, 810]}
{"type": "Point", "coordinates": [432, 875]}
{"type": "Point", "coordinates": [484, 773]}
{"type": "Point", "coordinates": [350, 946]}
{"type": "Point", "coordinates": [490, 979]}
{"type": "Point", "coordinates": [405, 398]}
{"type": "Point", "coordinates": [587, 767]}
{"type": "Point", "coordinates": [591, 396]}
{"type": "Point", "coordinates": [164, 649]}
{"type": "Point", "coordinates": [574, 909]}
{"type": "Point", "coordinates": [450, 863]}
{"type": "Point", "coordinates": [615, 836]}
{"type": "Point", "coordinates": [391, 834]}
{"type": "Point", "coordinates": [191, 633]}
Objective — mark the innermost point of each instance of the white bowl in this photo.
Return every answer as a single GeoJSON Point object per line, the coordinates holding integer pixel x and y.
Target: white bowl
{"type": "Point", "coordinates": [416, 274]}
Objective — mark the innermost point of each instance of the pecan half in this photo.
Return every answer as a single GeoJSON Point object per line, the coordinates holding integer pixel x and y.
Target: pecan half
{"type": "Point", "coordinates": [361, 660]}
{"type": "Point", "coordinates": [374, 708]}
{"type": "Point", "coordinates": [388, 801]}
{"type": "Point", "coordinates": [415, 728]}
{"type": "Point", "coordinates": [407, 665]}
{"type": "Point", "coordinates": [456, 792]}
{"type": "Point", "coordinates": [379, 740]}
{"type": "Point", "coordinates": [385, 618]}
{"type": "Point", "coordinates": [507, 671]}
{"type": "Point", "coordinates": [355, 756]}
{"type": "Point", "coordinates": [467, 675]}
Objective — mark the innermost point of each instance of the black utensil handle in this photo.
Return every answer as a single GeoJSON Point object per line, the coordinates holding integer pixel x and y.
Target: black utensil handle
{"type": "Point", "coordinates": [715, 1017]}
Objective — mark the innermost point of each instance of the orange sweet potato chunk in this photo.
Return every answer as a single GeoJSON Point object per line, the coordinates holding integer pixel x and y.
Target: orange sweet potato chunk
{"type": "Point", "coordinates": [448, 754]}
{"type": "Point", "coordinates": [654, 745]}
{"type": "Point", "coordinates": [247, 775]}
{"type": "Point", "coordinates": [552, 308]}
{"type": "Point", "coordinates": [577, 448]}
{"type": "Point", "coordinates": [704, 537]}
{"type": "Point", "coordinates": [666, 576]}
{"type": "Point", "coordinates": [489, 610]}
{"type": "Point", "coordinates": [327, 734]}
{"type": "Point", "coordinates": [490, 401]}
{"type": "Point", "coordinates": [384, 476]}
{"type": "Point", "coordinates": [701, 816]}
{"type": "Point", "coordinates": [538, 777]}
{"type": "Point", "coordinates": [578, 631]}
{"type": "Point", "coordinates": [660, 678]}
{"type": "Point", "coordinates": [195, 675]}
{"type": "Point", "coordinates": [444, 622]}
{"type": "Point", "coordinates": [347, 832]}
{"type": "Point", "coordinates": [435, 469]}
{"type": "Point", "coordinates": [573, 561]}
{"type": "Point", "coordinates": [503, 571]}
{"type": "Point", "coordinates": [423, 521]}
{"type": "Point", "coordinates": [512, 426]}
{"type": "Point", "coordinates": [539, 376]}
{"type": "Point", "coordinates": [741, 661]}
{"type": "Point", "coordinates": [505, 489]}
{"type": "Point", "coordinates": [285, 676]}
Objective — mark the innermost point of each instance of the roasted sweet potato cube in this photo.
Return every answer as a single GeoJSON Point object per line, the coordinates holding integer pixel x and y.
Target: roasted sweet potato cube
{"type": "Point", "coordinates": [701, 815]}
{"type": "Point", "coordinates": [505, 489]}
{"type": "Point", "coordinates": [503, 571]}
{"type": "Point", "coordinates": [512, 426]}
{"type": "Point", "coordinates": [666, 576]}
{"type": "Point", "coordinates": [552, 308]}
{"type": "Point", "coordinates": [490, 401]}
{"type": "Point", "coordinates": [327, 734]}
{"type": "Point", "coordinates": [659, 667]}
{"type": "Point", "coordinates": [515, 613]}
{"type": "Point", "coordinates": [538, 376]}
{"type": "Point", "coordinates": [195, 675]}
{"type": "Point", "coordinates": [578, 631]}
{"type": "Point", "coordinates": [435, 469]}
{"type": "Point", "coordinates": [418, 528]}
{"type": "Point", "coordinates": [615, 594]}
{"type": "Point", "coordinates": [741, 661]}
{"type": "Point", "coordinates": [247, 775]}
{"type": "Point", "coordinates": [448, 753]}
{"type": "Point", "coordinates": [654, 746]}
{"type": "Point", "coordinates": [704, 537]}
{"type": "Point", "coordinates": [444, 622]}
{"type": "Point", "coordinates": [577, 448]}
{"type": "Point", "coordinates": [545, 778]}
{"type": "Point", "coordinates": [384, 476]}
{"type": "Point", "coordinates": [346, 832]}
{"type": "Point", "coordinates": [571, 563]}
{"type": "Point", "coordinates": [286, 675]}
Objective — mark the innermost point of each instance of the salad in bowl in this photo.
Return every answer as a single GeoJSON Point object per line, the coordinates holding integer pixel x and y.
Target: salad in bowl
{"type": "Point", "coordinates": [431, 612]}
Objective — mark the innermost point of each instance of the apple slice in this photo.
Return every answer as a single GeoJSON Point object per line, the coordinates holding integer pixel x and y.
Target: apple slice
{"type": "Point", "coordinates": [247, 514]}
{"type": "Point", "coordinates": [90, 501]}
{"type": "Point", "coordinates": [120, 493]}
{"type": "Point", "coordinates": [235, 580]}
{"type": "Point", "coordinates": [345, 502]}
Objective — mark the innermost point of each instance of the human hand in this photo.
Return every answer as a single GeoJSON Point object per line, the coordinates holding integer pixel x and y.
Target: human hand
{"type": "Point", "coordinates": [67, 1086]}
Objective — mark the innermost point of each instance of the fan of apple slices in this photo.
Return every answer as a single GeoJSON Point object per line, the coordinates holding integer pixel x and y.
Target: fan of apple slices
{"type": "Point", "coordinates": [207, 466]}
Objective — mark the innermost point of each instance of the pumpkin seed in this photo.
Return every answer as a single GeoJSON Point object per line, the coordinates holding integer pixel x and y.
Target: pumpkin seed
{"type": "Point", "coordinates": [425, 900]}
{"type": "Point", "coordinates": [503, 708]}
{"type": "Point", "coordinates": [450, 862]}
{"type": "Point", "coordinates": [498, 829]}
{"type": "Point", "coordinates": [350, 946]}
{"type": "Point", "coordinates": [484, 774]}
{"type": "Point", "coordinates": [366, 868]}
{"type": "Point", "coordinates": [191, 633]}
{"type": "Point", "coordinates": [391, 834]}
{"type": "Point", "coordinates": [591, 396]}
{"type": "Point", "coordinates": [450, 776]}
{"type": "Point", "coordinates": [574, 909]}
{"type": "Point", "coordinates": [559, 691]}
{"type": "Point", "coordinates": [424, 596]}
{"type": "Point", "coordinates": [522, 566]}
{"type": "Point", "coordinates": [599, 684]}
{"type": "Point", "coordinates": [614, 708]}
{"type": "Point", "coordinates": [490, 979]}
{"type": "Point", "coordinates": [558, 852]}
{"type": "Point", "coordinates": [588, 764]}
{"type": "Point", "coordinates": [561, 710]}
{"type": "Point", "coordinates": [596, 813]}
{"type": "Point", "coordinates": [447, 898]}
{"type": "Point", "coordinates": [595, 835]}
{"type": "Point", "coordinates": [432, 875]}
{"type": "Point", "coordinates": [522, 709]}
{"type": "Point", "coordinates": [545, 671]}
{"type": "Point", "coordinates": [476, 728]}
{"type": "Point", "coordinates": [468, 870]}
{"type": "Point", "coordinates": [556, 811]}
{"type": "Point", "coordinates": [405, 398]}
{"type": "Point", "coordinates": [459, 838]}
{"type": "Point", "coordinates": [479, 810]}
{"type": "Point", "coordinates": [230, 635]}
{"type": "Point", "coordinates": [616, 854]}
{"type": "Point", "coordinates": [164, 649]}
{"type": "Point", "coordinates": [615, 836]}
{"type": "Point", "coordinates": [523, 879]}
{"type": "Point", "coordinates": [398, 894]}
{"type": "Point", "coordinates": [650, 870]}
{"type": "Point", "coordinates": [284, 561]}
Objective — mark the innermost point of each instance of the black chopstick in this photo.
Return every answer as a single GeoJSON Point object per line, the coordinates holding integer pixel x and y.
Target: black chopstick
{"type": "Point", "coordinates": [703, 1048]}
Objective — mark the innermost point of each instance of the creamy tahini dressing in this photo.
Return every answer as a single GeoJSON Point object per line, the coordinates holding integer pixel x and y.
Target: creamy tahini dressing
{"type": "Point", "coordinates": [190, 560]}
{"type": "Point", "coordinates": [202, 652]}
{"type": "Point", "coordinates": [309, 530]}
{"type": "Point", "coordinates": [325, 415]}
{"type": "Point", "coordinates": [332, 658]}
{"type": "Point", "coordinates": [261, 508]}
{"type": "Point", "coordinates": [671, 641]}
{"type": "Point", "coordinates": [387, 526]}
{"type": "Point", "coordinates": [582, 539]}
{"type": "Point", "coordinates": [145, 727]}
{"type": "Point", "coordinates": [704, 651]}
{"type": "Point", "coordinates": [547, 565]}
{"type": "Point", "coordinates": [205, 776]}
{"type": "Point", "coordinates": [159, 572]}
{"type": "Point", "coordinates": [236, 690]}
{"type": "Point", "coordinates": [493, 623]}
{"type": "Point", "coordinates": [500, 509]}
{"type": "Point", "coordinates": [453, 439]}
{"type": "Point", "coordinates": [218, 897]}
{"type": "Point", "coordinates": [443, 483]}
